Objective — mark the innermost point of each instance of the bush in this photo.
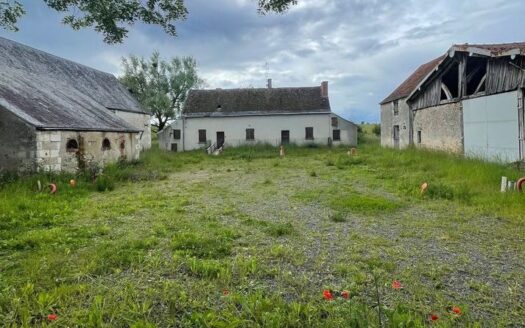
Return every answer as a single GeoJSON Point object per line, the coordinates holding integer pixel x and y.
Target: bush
{"type": "Point", "coordinates": [104, 183]}
{"type": "Point", "coordinates": [377, 129]}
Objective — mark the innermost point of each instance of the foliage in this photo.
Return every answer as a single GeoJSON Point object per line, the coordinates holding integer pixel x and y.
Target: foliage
{"type": "Point", "coordinates": [112, 17]}
{"type": "Point", "coordinates": [160, 86]}
{"type": "Point", "coordinates": [377, 129]}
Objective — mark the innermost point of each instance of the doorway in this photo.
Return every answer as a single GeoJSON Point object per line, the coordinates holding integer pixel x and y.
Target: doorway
{"type": "Point", "coordinates": [285, 136]}
{"type": "Point", "coordinates": [396, 136]}
{"type": "Point", "coordinates": [220, 139]}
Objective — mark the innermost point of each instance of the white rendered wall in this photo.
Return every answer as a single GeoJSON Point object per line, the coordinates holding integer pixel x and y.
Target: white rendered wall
{"type": "Point", "coordinates": [141, 122]}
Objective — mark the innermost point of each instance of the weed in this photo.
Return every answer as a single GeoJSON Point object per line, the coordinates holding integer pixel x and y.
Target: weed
{"type": "Point", "coordinates": [337, 217]}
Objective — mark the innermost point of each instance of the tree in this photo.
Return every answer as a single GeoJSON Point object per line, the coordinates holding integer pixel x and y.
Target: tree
{"type": "Point", "coordinates": [160, 86]}
{"type": "Point", "coordinates": [110, 17]}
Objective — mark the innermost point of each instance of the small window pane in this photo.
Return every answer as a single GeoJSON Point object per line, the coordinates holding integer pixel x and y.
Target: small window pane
{"type": "Point", "coordinates": [202, 136]}
{"type": "Point", "coordinates": [309, 133]}
{"type": "Point", "coordinates": [176, 134]}
{"type": "Point", "coordinates": [250, 134]}
{"type": "Point", "coordinates": [336, 135]}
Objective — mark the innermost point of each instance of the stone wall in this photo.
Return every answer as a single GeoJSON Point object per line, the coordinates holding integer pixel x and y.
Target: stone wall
{"type": "Point", "coordinates": [441, 127]}
{"type": "Point", "coordinates": [17, 143]}
{"type": "Point", "coordinates": [53, 154]}
{"type": "Point", "coordinates": [388, 120]}
{"type": "Point", "coordinates": [140, 121]}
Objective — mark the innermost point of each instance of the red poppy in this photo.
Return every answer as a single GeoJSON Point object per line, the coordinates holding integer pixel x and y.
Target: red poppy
{"type": "Point", "coordinates": [456, 310]}
{"type": "Point", "coordinates": [327, 295]}
{"type": "Point", "coordinates": [396, 284]}
{"type": "Point", "coordinates": [434, 317]}
{"type": "Point", "coordinates": [225, 292]}
{"type": "Point", "coordinates": [52, 317]}
{"type": "Point", "coordinates": [345, 294]}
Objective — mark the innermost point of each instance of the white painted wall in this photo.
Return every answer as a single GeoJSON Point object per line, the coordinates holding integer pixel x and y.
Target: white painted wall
{"type": "Point", "coordinates": [140, 121]}
{"type": "Point", "coordinates": [348, 132]}
{"type": "Point", "coordinates": [491, 127]}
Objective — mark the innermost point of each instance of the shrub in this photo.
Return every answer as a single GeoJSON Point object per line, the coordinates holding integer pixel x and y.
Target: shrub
{"type": "Point", "coordinates": [104, 183]}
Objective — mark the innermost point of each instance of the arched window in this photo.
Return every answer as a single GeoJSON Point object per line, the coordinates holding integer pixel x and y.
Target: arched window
{"type": "Point", "coordinates": [72, 146]}
{"type": "Point", "coordinates": [106, 144]}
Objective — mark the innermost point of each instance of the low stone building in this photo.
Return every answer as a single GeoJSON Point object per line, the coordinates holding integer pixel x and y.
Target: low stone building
{"type": "Point", "coordinates": [469, 102]}
{"type": "Point", "coordinates": [232, 117]}
{"type": "Point", "coordinates": [59, 115]}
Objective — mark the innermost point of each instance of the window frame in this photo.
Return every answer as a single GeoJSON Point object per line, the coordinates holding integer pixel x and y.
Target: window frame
{"type": "Point", "coordinates": [307, 135]}
{"type": "Point", "coordinates": [419, 136]}
{"type": "Point", "coordinates": [395, 107]}
{"type": "Point", "coordinates": [176, 134]}
{"type": "Point", "coordinates": [250, 134]}
{"type": "Point", "coordinates": [338, 134]}
{"type": "Point", "coordinates": [202, 132]}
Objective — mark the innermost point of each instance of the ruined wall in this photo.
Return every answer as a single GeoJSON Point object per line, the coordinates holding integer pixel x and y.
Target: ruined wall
{"type": "Point", "coordinates": [140, 121]}
{"type": "Point", "coordinates": [441, 127]}
{"type": "Point", "coordinates": [53, 155]}
{"type": "Point", "coordinates": [388, 120]}
{"type": "Point", "coordinates": [17, 143]}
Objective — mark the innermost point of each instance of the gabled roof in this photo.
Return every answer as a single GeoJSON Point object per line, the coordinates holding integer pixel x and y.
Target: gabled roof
{"type": "Point", "coordinates": [54, 93]}
{"type": "Point", "coordinates": [406, 88]}
{"type": "Point", "coordinates": [231, 102]}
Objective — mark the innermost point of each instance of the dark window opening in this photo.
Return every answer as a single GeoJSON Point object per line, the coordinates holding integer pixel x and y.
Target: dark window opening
{"type": "Point", "coordinates": [219, 107]}
{"type": "Point", "coordinates": [309, 133]}
{"type": "Point", "coordinates": [476, 75]}
{"type": "Point", "coordinates": [250, 134]}
{"type": "Point", "coordinates": [285, 136]}
{"type": "Point", "coordinates": [450, 80]}
{"type": "Point", "coordinates": [419, 136]}
{"type": "Point", "coordinates": [202, 136]}
{"type": "Point", "coordinates": [395, 107]}
{"type": "Point", "coordinates": [72, 146]}
{"type": "Point", "coordinates": [176, 134]}
{"type": "Point", "coordinates": [106, 144]}
{"type": "Point", "coordinates": [336, 135]}
{"type": "Point", "coordinates": [335, 122]}
{"type": "Point", "coordinates": [174, 147]}
{"type": "Point", "coordinates": [122, 145]}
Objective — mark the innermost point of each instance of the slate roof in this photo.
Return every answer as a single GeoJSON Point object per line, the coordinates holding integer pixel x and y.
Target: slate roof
{"type": "Point", "coordinates": [251, 101]}
{"type": "Point", "coordinates": [50, 92]}
{"type": "Point", "coordinates": [406, 88]}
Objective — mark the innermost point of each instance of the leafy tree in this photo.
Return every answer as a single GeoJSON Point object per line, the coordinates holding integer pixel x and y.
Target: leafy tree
{"type": "Point", "coordinates": [110, 17]}
{"type": "Point", "coordinates": [160, 86]}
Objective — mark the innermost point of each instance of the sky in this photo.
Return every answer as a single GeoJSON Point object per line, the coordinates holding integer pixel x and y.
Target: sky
{"type": "Point", "coordinates": [364, 48]}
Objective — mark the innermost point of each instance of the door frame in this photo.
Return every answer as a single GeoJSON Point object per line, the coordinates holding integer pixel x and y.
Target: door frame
{"type": "Point", "coordinates": [218, 138]}
{"type": "Point", "coordinates": [394, 134]}
{"type": "Point", "coordinates": [283, 132]}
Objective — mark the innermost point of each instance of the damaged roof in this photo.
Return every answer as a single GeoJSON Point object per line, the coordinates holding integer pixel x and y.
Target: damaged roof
{"type": "Point", "coordinates": [494, 50]}
{"type": "Point", "coordinates": [406, 88]}
{"type": "Point", "coordinates": [251, 101]}
{"type": "Point", "coordinates": [50, 92]}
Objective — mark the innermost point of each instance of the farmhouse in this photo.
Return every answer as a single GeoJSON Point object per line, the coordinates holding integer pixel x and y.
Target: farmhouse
{"type": "Point", "coordinates": [231, 117]}
{"type": "Point", "coordinates": [59, 115]}
{"type": "Point", "coordinates": [469, 101]}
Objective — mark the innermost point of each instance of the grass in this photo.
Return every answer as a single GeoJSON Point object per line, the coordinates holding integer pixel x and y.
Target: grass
{"type": "Point", "coordinates": [250, 239]}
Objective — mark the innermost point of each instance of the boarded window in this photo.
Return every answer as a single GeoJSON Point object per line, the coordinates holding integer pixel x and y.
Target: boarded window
{"type": "Point", "coordinates": [335, 122]}
{"type": "Point", "coordinates": [309, 133]}
{"type": "Point", "coordinates": [250, 134]}
{"type": "Point", "coordinates": [419, 136]}
{"type": "Point", "coordinates": [176, 134]}
{"type": "Point", "coordinates": [202, 136]}
{"type": "Point", "coordinates": [336, 135]}
{"type": "Point", "coordinates": [72, 146]}
{"type": "Point", "coordinates": [106, 144]}
{"type": "Point", "coordinates": [395, 107]}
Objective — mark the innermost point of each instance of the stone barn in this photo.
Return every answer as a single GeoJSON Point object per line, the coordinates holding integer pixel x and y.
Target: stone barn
{"type": "Point", "coordinates": [231, 117]}
{"type": "Point", "coordinates": [58, 115]}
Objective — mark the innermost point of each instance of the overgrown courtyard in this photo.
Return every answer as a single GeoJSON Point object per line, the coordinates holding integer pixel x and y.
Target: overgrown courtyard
{"type": "Point", "coordinates": [250, 239]}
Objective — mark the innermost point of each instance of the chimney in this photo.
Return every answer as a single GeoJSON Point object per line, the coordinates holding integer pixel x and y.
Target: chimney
{"type": "Point", "coordinates": [269, 84]}
{"type": "Point", "coordinates": [324, 89]}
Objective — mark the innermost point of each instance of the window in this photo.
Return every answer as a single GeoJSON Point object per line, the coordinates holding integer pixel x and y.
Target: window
{"type": "Point", "coordinates": [202, 136]}
{"type": "Point", "coordinates": [250, 134]}
{"type": "Point", "coordinates": [174, 147]}
{"type": "Point", "coordinates": [335, 122]}
{"type": "Point", "coordinates": [395, 107]}
{"type": "Point", "coordinates": [336, 135]}
{"type": "Point", "coordinates": [419, 136]}
{"type": "Point", "coordinates": [72, 146]}
{"type": "Point", "coordinates": [309, 133]}
{"type": "Point", "coordinates": [176, 134]}
{"type": "Point", "coordinates": [106, 144]}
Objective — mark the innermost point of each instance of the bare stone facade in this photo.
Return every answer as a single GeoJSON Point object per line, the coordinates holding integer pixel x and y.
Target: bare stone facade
{"type": "Point", "coordinates": [395, 115]}
{"type": "Point", "coordinates": [17, 143]}
{"type": "Point", "coordinates": [439, 127]}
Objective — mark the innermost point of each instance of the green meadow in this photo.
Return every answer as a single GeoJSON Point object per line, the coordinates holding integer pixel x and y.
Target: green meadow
{"type": "Point", "coordinates": [249, 239]}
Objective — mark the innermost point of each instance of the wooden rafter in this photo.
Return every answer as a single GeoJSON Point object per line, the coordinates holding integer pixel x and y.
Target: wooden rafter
{"type": "Point", "coordinates": [446, 90]}
{"type": "Point", "coordinates": [481, 83]}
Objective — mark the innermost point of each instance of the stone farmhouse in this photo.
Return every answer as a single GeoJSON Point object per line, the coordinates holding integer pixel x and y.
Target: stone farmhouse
{"type": "Point", "coordinates": [212, 119]}
{"type": "Point", "coordinates": [468, 101]}
{"type": "Point", "coordinates": [58, 115]}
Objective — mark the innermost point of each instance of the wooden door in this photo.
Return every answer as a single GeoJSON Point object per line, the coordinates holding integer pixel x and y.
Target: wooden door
{"type": "Point", "coordinates": [220, 139]}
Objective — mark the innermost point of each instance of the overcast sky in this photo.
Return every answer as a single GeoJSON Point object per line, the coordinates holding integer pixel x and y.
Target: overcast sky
{"type": "Point", "coordinates": [364, 48]}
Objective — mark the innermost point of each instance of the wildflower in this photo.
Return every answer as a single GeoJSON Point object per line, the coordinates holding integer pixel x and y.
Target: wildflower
{"type": "Point", "coordinates": [456, 310]}
{"type": "Point", "coordinates": [52, 317]}
{"type": "Point", "coordinates": [327, 295]}
{"type": "Point", "coordinates": [345, 294]}
{"type": "Point", "coordinates": [434, 317]}
{"type": "Point", "coordinates": [396, 284]}
{"type": "Point", "coordinates": [225, 292]}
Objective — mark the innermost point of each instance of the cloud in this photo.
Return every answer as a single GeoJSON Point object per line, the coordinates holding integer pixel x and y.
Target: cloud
{"type": "Point", "coordinates": [365, 48]}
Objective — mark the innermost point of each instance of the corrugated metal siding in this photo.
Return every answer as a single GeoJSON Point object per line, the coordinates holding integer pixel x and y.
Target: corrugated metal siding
{"type": "Point", "coordinates": [491, 127]}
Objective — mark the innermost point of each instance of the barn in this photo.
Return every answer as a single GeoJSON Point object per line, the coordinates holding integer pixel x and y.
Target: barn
{"type": "Point", "coordinates": [58, 115]}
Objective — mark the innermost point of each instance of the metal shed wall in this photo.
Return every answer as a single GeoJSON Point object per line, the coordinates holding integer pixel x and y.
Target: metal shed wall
{"type": "Point", "coordinates": [491, 129]}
